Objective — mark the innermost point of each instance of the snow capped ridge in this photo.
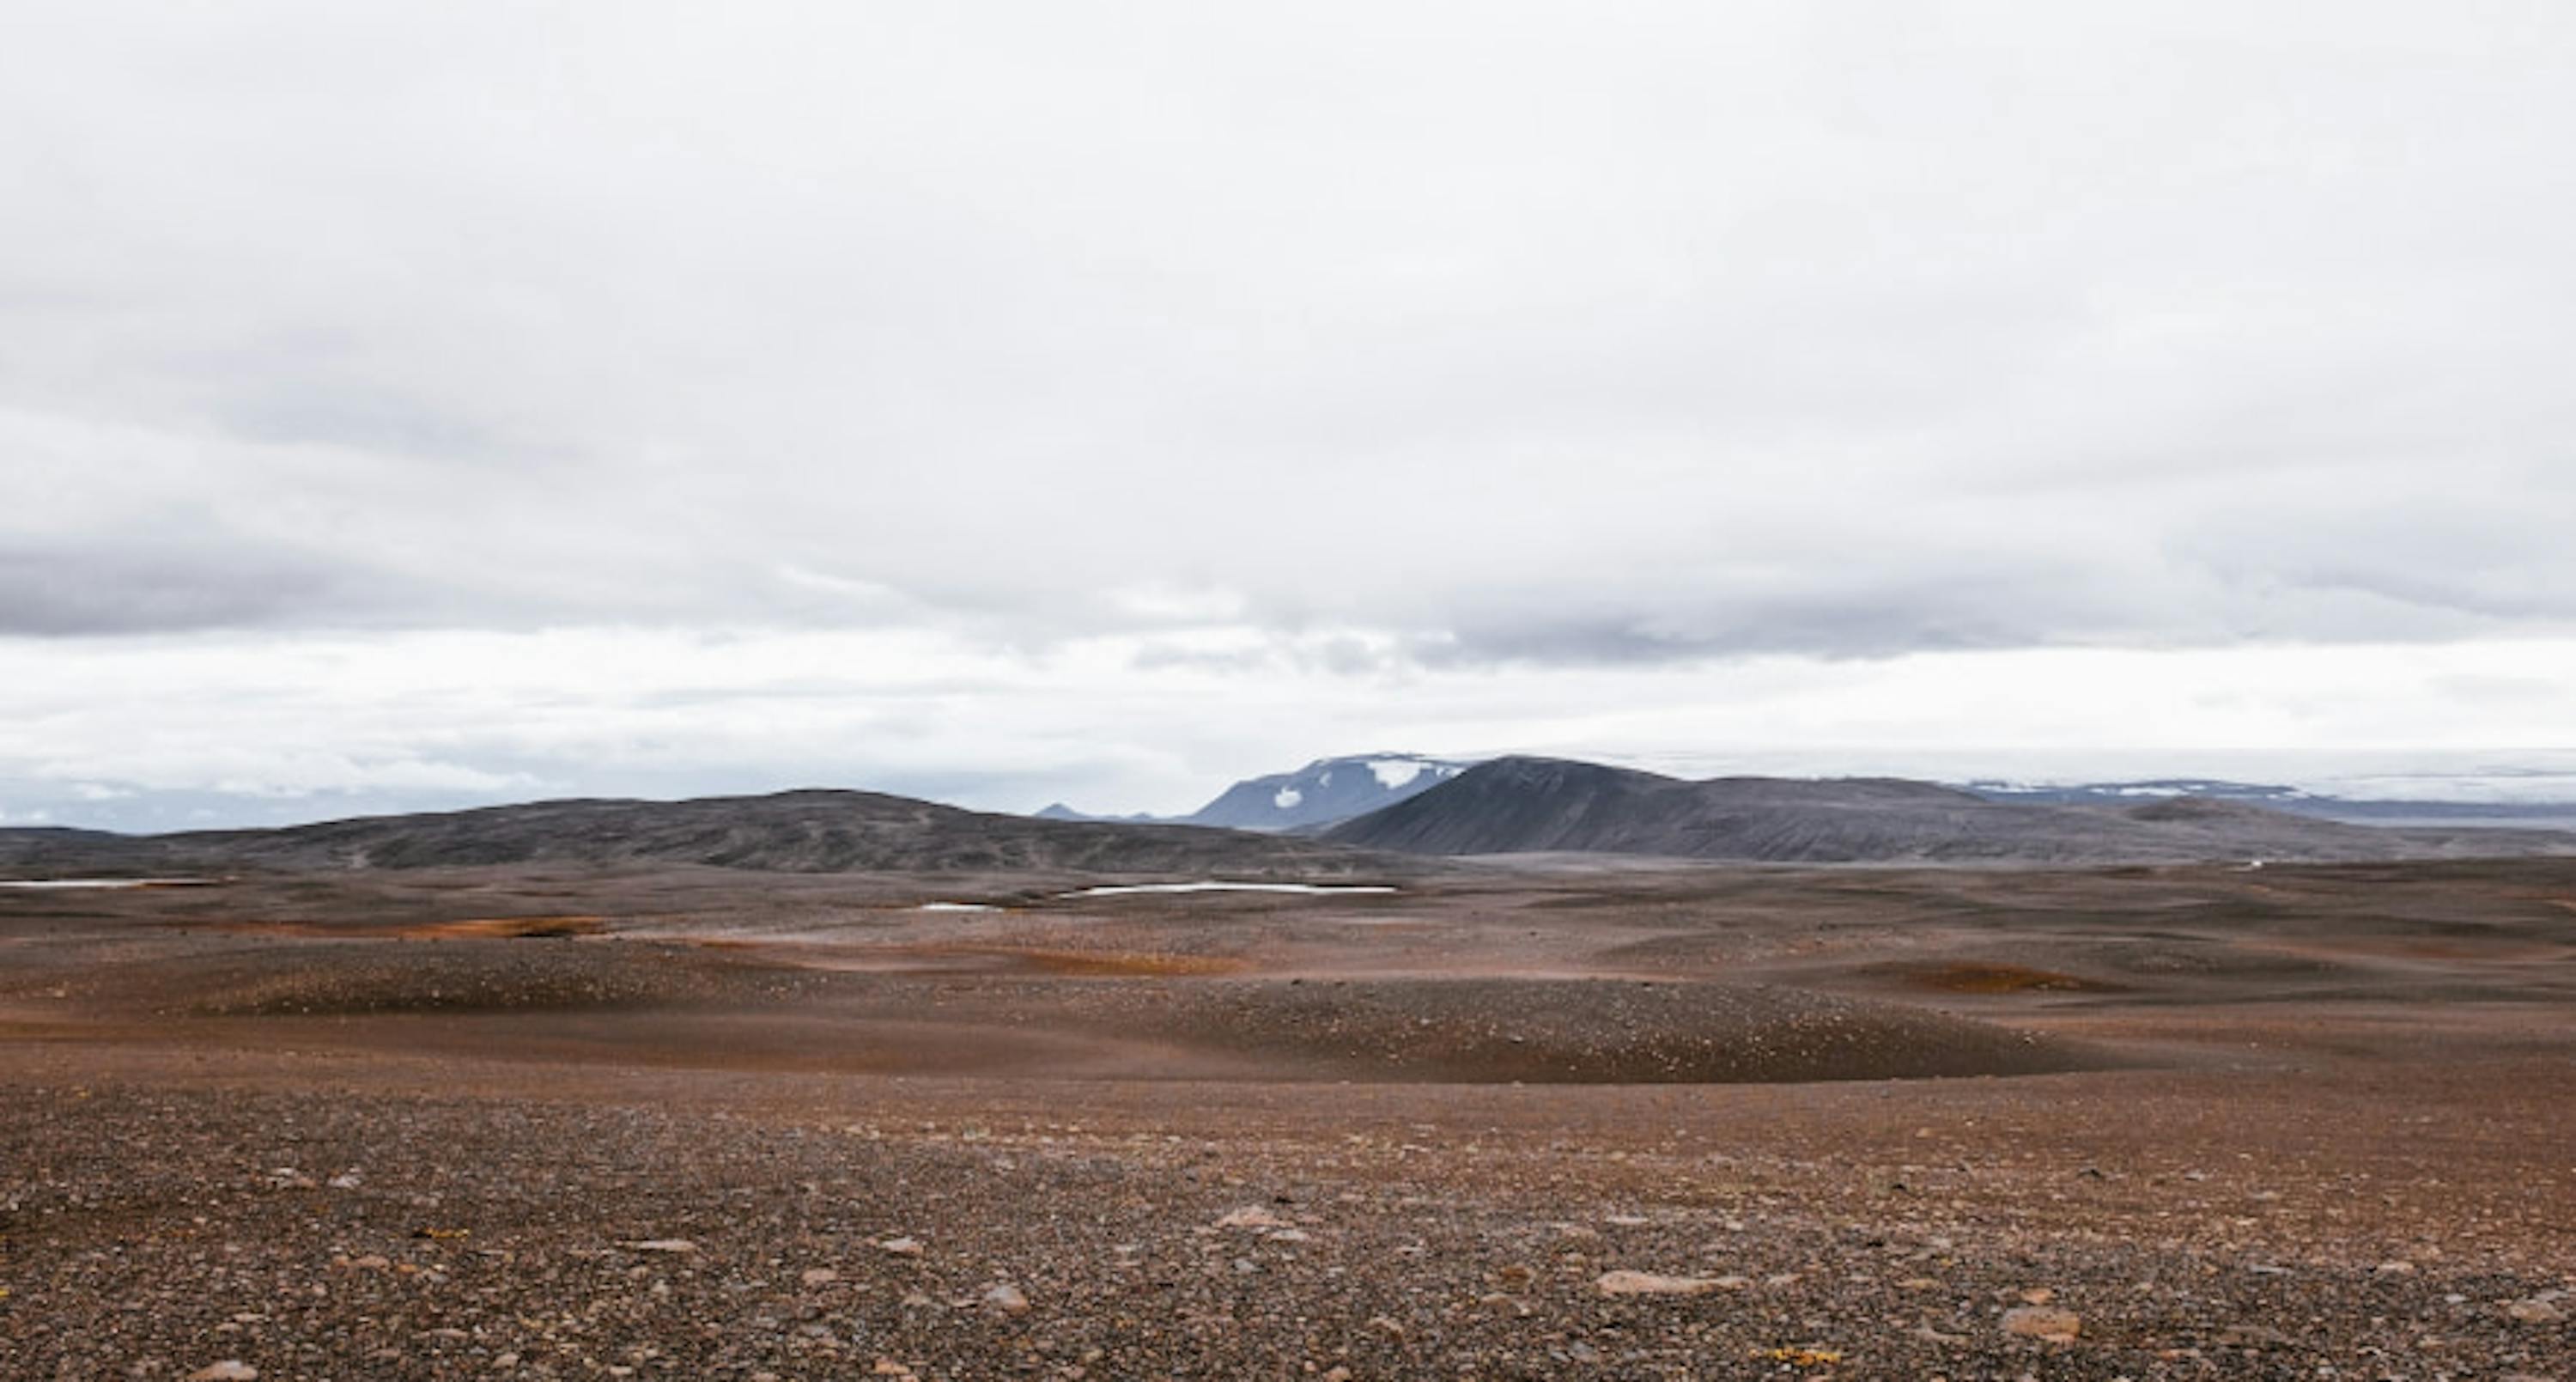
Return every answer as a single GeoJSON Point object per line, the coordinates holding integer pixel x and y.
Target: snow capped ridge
{"type": "Point", "coordinates": [1326, 790]}
{"type": "Point", "coordinates": [1322, 792]}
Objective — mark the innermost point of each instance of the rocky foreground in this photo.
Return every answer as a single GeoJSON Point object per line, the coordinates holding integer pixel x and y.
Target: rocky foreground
{"type": "Point", "coordinates": [2289, 1123]}
{"type": "Point", "coordinates": [185, 1217]}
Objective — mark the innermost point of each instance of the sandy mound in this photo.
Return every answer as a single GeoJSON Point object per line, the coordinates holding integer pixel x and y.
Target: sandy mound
{"type": "Point", "coordinates": [1598, 1032]}
{"type": "Point", "coordinates": [363, 977]}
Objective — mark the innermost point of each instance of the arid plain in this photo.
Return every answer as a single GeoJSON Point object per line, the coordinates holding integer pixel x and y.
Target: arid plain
{"type": "Point", "coordinates": [1560, 1118]}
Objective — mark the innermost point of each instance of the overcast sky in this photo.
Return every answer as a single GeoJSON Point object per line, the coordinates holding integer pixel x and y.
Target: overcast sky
{"type": "Point", "coordinates": [415, 405]}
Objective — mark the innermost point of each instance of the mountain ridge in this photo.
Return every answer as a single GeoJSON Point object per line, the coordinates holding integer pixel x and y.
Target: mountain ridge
{"type": "Point", "coordinates": [1525, 805]}
{"type": "Point", "coordinates": [812, 830]}
{"type": "Point", "coordinates": [1324, 791]}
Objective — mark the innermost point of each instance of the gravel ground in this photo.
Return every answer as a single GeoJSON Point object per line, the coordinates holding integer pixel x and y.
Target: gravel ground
{"type": "Point", "coordinates": [736, 1128]}
{"type": "Point", "coordinates": [151, 1229]}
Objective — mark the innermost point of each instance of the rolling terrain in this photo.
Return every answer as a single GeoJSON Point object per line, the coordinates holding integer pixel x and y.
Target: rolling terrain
{"type": "Point", "coordinates": [802, 832]}
{"type": "Point", "coordinates": [1540, 805]}
{"type": "Point", "coordinates": [543, 1121]}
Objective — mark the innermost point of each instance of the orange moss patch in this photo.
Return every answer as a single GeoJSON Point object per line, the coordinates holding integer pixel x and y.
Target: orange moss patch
{"type": "Point", "coordinates": [474, 928]}
{"type": "Point", "coordinates": [1130, 963]}
{"type": "Point", "coordinates": [1997, 978]}
{"type": "Point", "coordinates": [508, 928]}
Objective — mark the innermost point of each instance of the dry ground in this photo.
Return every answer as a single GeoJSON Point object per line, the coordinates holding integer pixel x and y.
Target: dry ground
{"type": "Point", "coordinates": [2314, 1122]}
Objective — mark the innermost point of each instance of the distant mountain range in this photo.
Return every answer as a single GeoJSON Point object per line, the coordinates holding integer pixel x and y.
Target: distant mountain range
{"type": "Point", "coordinates": [799, 832]}
{"type": "Point", "coordinates": [1438, 808]}
{"type": "Point", "coordinates": [1322, 792]}
{"type": "Point", "coordinates": [2297, 801]}
{"type": "Point", "coordinates": [1544, 805]}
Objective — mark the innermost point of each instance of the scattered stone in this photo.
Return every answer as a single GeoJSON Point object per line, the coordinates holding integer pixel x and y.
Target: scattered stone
{"type": "Point", "coordinates": [673, 1245]}
{"type": "Point", "coordinates": [1252, 1216]}
{"type": "Point", "coordinates": [1007, 1298]}
{"type": "Point", "coordinates": [229, 1370]}
{"type": "Point", "coordinates": [2044, 1322]}
{"type": "Point", "coordinates": [818, 1276]}
{"type": "Point", "coordinates": [2533, 1311]}
{"type": "Point", "coordinates": [1627, 1283]}
{"type": "Point", "coordinates": [901, 1247]}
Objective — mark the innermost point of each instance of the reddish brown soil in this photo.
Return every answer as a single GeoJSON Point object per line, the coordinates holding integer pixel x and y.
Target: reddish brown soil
{"type": "Point", "coordinates": [377, 1125]}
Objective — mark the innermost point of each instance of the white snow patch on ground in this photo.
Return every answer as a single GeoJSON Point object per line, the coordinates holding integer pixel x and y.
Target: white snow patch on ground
{"type": "Point", "coordinates": [1286, 798]}
{"type": "Point", "coordinates": [1117, 889]}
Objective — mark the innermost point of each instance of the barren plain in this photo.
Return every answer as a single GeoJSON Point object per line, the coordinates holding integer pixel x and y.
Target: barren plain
{"type": "Point", "coordinates": [1554, 1120]}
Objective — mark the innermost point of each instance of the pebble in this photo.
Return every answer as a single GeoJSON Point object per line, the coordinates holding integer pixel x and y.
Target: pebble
{"type": "Point", "coordinates": [1626, 1283]}
{"type": "Point", "coordinates": [901, 1247]}
{"type": "Point", "coordinates": [2533, 1312]}
{"type": "Point", "coordinates": [2043, 1322]}
{"type": "Point", "coordinates": [1007, 1298]}
{"type": "Point", "coordinates": [1251, 1216]}
{"type": "Point", "coordinates": [661, 1245]}
{"type": "Point", "coordinates": [229, 1370]}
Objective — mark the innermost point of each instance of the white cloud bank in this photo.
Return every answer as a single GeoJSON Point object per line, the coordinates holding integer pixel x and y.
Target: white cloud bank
{"type": "Point", "coordinates": [140, 732]}
{"type": "Point", "coordinates": [430, 403]}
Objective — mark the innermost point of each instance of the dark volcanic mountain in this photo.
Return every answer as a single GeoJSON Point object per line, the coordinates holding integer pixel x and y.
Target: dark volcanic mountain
{"type": "Point", "coordinates": [1535, 805]}
{"type": "Point", "coordinates": [802, 832]}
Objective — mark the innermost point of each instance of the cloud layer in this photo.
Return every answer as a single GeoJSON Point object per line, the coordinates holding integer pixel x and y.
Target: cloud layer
{"type": "Point", "coordinates": [1396, 339]}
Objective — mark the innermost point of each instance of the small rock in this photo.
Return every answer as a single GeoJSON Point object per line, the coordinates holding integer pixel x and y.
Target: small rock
{"type": "Point", "coordinates": [1007, 1298]}
{"type": "Point", "coordinates": [2395, 1267]}
{"type": "Point", "coordinates": [346, 1180]}
{"type": "Point", "coordinates": [229, 1370]}
{"type": "Point", "coordinates": [818, 1276]}
{"type": "Point", "coordinates": [1625, 1283]}
{"type": "Point", "coordinates": [1251, 1216]}
{"type": "Point", "coordinates": [2533, 1312]}
{"type": "Point", "coordinates": [661, 1245]}
{"type": "Point", "coordinates": [901, 1247]}
{"type": "Point", "coordinates": [2043, 1322]}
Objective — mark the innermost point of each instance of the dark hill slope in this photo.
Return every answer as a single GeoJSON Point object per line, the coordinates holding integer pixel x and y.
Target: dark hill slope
{"type": "Point", "coordinates": [48, 850]}
{"type": "Point", "coordinates": [801, 832]}
{"type": "Point", "coordinates": [1533, 805]}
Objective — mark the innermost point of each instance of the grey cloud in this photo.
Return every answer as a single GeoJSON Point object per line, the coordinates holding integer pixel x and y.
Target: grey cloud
{"type": "Point", "coordinates": [57, 593]}
{"type": "Point", "coordinates": [1674, 333]}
